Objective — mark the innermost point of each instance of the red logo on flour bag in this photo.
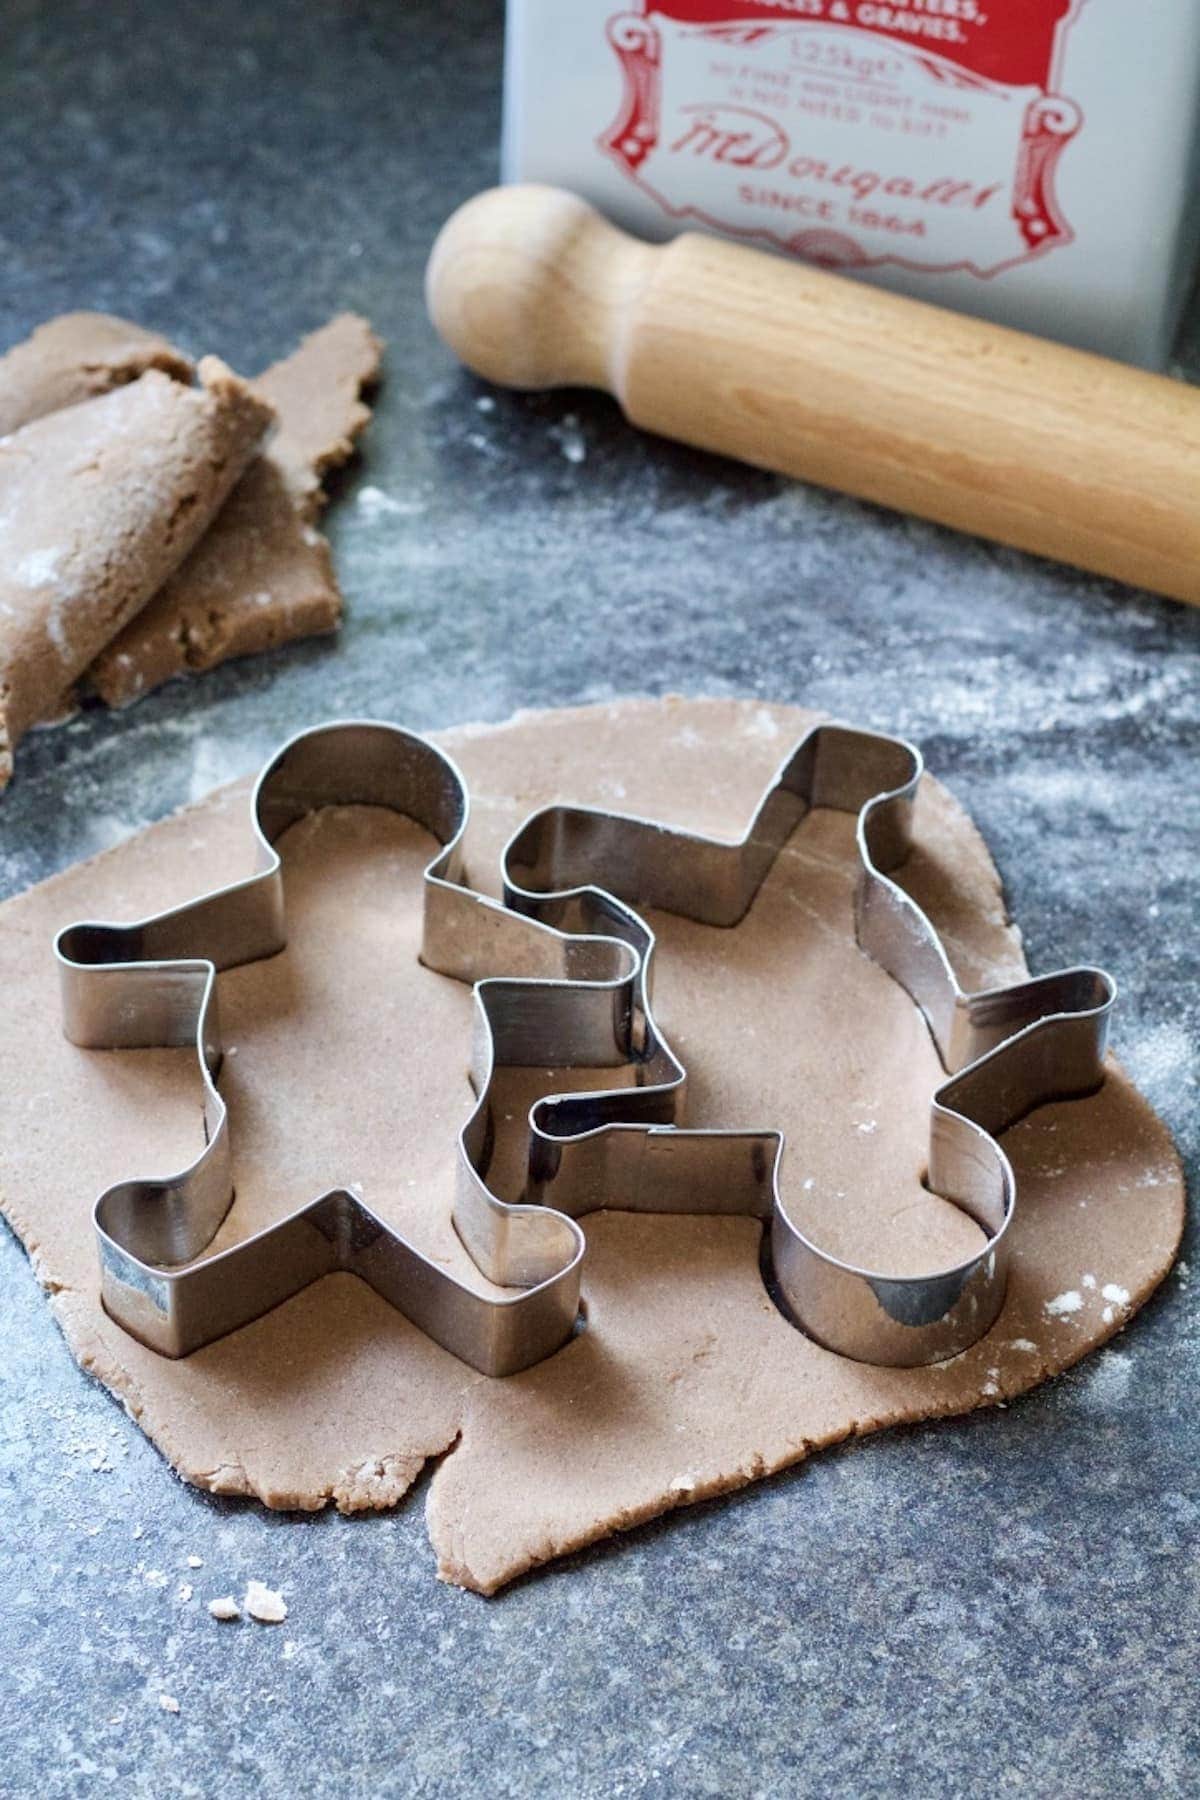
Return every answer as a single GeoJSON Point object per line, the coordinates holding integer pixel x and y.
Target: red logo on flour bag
{"type": "Point", "coordinates": [925, 132]}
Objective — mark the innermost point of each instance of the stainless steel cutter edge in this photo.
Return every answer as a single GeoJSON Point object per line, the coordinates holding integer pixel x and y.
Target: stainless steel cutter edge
{"type": "Point", "coordinates": [577, 962]}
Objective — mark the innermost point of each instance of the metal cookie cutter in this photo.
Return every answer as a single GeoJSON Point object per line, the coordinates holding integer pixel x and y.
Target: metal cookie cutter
{"type": "Point", "coordinates": [575, 992]}
{"type": "Point", "coordinates": [569, 999]}
{"type": "Point", "coordinates": [1006, 1050]}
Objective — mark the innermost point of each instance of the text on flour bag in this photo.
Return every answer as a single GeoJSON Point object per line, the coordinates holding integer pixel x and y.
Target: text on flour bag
{"type": "Point", "coordinates": [1032, 161]}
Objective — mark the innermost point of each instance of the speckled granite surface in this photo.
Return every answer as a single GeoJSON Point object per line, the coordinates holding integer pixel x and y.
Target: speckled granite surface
{"type": "Point", "coordinates": [1009, 1604]}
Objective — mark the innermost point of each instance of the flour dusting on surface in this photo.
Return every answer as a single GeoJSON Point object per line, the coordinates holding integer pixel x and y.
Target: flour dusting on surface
{"type": "Point", "coordinates": [570, 439]}
{"type": "Point", "coordinates": [1062, 1304]}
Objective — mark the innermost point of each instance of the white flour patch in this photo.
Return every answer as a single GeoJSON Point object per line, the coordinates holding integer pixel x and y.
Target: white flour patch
{"type": "Point", "coordinates": [215, 760]}
{"type": "Point", "coordinates": [373, 503]}
{"type": "Point", "coordinates": [39, 569]}
{"type": "Point", "coordinates": [1107, 1378]}
{"type": "Point", "coordinates": [56, 631]}
{"type": "Point", "coordinates": [104, 830]}
{"type": "Point", "coordinates": [1062, 1304]}
{"type": "Point", "coordinates": [1162, 1060]}
{"type": "Point", "coordinates": [569, 438]}
{"type": "Point", "coordinates": [761, 724]}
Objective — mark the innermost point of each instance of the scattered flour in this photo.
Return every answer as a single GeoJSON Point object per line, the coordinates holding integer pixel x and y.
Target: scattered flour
{"type": "Point", "coordinates": [1070, 1302]}
{"type": "Point", "coordinates": [761, 724]}
{"type": "Point", "coordinates": [1109, 1376]}
{"type": "Point", "coordinates": [39, 569]}
{"type": "Point", "coordinates": [1162, 1060]}
{"type": "Point", "coordinates": [570, 439]}
{"type": "Point", "coordinates": [373, 503]}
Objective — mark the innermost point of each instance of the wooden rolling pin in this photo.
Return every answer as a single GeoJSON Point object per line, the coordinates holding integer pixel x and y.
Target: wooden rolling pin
{"type": "Point", "coordinates": [788, 367]}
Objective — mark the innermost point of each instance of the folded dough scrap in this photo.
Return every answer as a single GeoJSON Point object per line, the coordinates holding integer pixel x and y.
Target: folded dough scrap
{"type": "Point", "coordinates": [262, 575]}
{"type": "Point", "coordinates": [78, 357]}
{"type": "Point", "coordinates": [99, 504]}
{"type": "Point", "coordinates": [316, 393]}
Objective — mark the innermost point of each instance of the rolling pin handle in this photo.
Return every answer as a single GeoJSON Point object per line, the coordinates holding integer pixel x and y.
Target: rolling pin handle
{"type": "Point", "coordinates": [531, 288]}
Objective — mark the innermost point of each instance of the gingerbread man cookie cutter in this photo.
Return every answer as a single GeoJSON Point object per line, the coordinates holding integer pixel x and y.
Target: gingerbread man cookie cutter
{"type": "Point", "coordinates": [562, 976]}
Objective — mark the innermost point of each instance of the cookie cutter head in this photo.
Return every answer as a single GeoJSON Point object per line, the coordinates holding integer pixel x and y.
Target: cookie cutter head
{"type": "Point", "coordinates": [562, 974]}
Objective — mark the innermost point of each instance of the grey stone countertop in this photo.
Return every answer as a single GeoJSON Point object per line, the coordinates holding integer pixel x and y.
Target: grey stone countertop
{"type": "Point", "coordinates": [1006, 1604]}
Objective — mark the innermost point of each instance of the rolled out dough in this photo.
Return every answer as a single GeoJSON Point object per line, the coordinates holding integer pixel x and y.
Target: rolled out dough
{"type": "Point", "coordinates": [348, 1065]}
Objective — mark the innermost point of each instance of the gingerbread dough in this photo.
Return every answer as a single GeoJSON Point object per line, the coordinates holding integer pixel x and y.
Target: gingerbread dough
{"type": "Point", "coordinates": [77, 357]}
{"type": "Point", "coordinates": [262, 575]}
{"type": "Point", "coordinates": [347, 1064]}
{"type": "Point", "coordinates": [99, 503]}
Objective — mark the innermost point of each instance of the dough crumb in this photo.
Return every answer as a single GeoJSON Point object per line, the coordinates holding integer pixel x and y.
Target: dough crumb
{"type": "Point", "coordinates": [264, 1604]}
{"type": "Point", "coordinates": [185, 1591]}
{"type": "Point", "coordinates": [226, 1607]}
{"type": "Point", "coordinates": [195, 1562]}
{"type": "Point", "coordinates": [1070, 1302]}
{"type": "Point", "coordinates": [168, 1702]}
